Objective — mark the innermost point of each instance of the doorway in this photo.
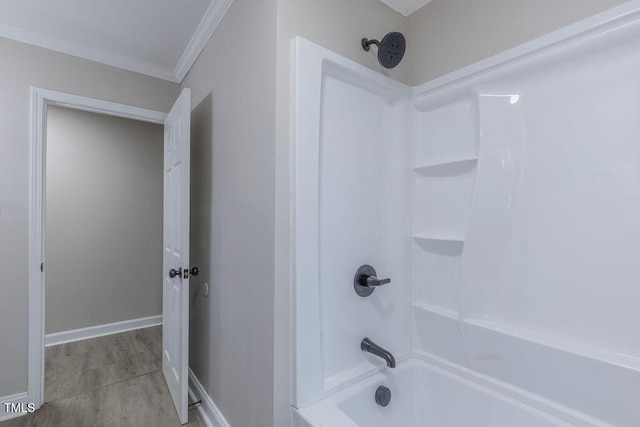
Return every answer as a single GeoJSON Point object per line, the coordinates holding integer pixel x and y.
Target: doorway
{"type": "Point", "coordinates": [176, 152]}
{"type": "Point", "coordinates": [103, 251]}
{"type": "Point", "coordinates": [41, 102]}
{"type": "Point", "coordinates": [103, 225]}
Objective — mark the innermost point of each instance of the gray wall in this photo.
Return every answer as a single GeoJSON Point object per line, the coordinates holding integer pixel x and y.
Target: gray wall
{"type": "Point", "coordinates": [232, 202]}
{"type": "Point", "coordinates": [446, 35]}
{"type": "Point", "coordinates": [27, 66]}
{"type": "Point", "coordinates": [103, 219]}
{"type": "Point", "coordinates": [338, 25]}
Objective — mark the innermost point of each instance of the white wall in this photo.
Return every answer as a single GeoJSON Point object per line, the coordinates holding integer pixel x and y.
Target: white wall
{"type": "Point", "coordinates": [31, 66]}
{"type": "Point", "coordinates": [447, 35]}
{"type": "Point", "coordinates": [103, 219]}
{"type": "Point", "coordinates": [232, 202]}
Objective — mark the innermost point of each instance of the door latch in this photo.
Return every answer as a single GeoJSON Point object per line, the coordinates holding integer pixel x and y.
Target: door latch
{"type": "Point", "coordinates": [183, 273]}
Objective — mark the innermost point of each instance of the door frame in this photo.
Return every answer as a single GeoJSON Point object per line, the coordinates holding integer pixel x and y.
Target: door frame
{"type": "Point", "coordinates": [40, 100]}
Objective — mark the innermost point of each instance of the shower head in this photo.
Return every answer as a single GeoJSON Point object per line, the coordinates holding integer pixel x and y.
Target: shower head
{"type": "Point", "coordinates": [390, 49]}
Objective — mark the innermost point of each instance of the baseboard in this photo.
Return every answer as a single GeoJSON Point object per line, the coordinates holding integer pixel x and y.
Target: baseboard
{"type": "Point", "coordinates": [22, 398]}
{"type": "Point", "coordinates": [101, 330]}
{"type": "Point", "coordinates": [208, 409]}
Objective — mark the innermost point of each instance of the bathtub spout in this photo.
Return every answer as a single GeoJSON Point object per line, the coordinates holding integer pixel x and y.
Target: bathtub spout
{"type": "Point", "coordinates": [373, 348]}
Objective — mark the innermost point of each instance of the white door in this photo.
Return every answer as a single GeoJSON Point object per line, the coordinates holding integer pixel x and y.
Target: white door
{"type": "Point", "coordinates": [175, 301]}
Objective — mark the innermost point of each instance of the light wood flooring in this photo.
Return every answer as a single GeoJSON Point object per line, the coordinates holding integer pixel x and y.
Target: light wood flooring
{"type": "Point", "coordinates": [114, 380]}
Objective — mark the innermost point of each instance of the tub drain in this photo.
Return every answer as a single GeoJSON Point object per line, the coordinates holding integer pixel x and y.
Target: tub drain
{"type": "Point", "coordinates": [383, 396]}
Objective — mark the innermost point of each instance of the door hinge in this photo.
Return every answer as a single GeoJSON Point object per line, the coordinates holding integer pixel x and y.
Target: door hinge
{"type": "Point", "coordinates": [185, 275]}
{"type": "Point", "coordinates": [41, 266]}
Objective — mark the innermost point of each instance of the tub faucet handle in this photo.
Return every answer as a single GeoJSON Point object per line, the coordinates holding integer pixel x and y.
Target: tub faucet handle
{"type": "Point", "coordinates": [365, 281]}
{"type": "Point", "coordinates": [374, 281]}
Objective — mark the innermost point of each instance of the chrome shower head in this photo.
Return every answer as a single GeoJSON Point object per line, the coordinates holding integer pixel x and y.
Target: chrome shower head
{"type": "Point", "coordinates": [390, 49]}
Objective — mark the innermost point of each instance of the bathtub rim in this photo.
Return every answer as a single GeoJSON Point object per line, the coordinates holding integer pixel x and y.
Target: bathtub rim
{"type": "Point", "coordinates": [334, 401]}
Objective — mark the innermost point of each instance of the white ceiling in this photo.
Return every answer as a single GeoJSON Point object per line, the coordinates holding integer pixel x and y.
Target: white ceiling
{"type": "Point", "coordinates": [405, 7]}
{"type": "Point", "coordinates": [161, 38]}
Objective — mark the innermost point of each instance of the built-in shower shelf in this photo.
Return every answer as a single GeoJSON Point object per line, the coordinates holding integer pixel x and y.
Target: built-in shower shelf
{"type": "Point", "coordinates": [447, 167]}
{"type": "Point", "coordinates": [440, 311]}
{"type": "Point", "coordinates": [434, 237]}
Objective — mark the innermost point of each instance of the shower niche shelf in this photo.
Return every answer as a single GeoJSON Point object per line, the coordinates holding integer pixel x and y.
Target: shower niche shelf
{"type": "Point", "coordinates": [427, 238]}
{"type": "Point", "coordinates": [435, 270]}
{"type": "Point", "coordinates": [437, 310]}
{"type": "Point", "coordinates": [445, 158]}
{"type": "Point", "coordinates": [446, 138]}
{"type": "Point", "coordinates": [445, 168]}
{"type": "Point", "coordinates": [441, 202]}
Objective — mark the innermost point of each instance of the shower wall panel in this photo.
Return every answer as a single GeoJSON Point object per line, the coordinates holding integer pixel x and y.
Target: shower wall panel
{"type": "Point", "coordinates": [531, 277]}
{"type": "Point", "coordinates": [352, 199]}
{"type": "Point", "coordinates": [503, 200]}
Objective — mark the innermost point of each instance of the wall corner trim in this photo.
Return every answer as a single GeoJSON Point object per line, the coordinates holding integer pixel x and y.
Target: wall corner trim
{"type": "Point", "coordinates": [208, 409]}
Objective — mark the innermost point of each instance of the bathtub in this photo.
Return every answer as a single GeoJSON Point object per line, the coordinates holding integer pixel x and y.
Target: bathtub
{"type": "Point", "coordinates": [422, 395]}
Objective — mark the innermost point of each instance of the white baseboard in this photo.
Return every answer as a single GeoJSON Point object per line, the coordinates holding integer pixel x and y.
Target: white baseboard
{"type": "Point", "coordinates": [22, 398]}
{"type": "Point", "coordinates": [101, 330]}
{"type": "Point", "coordinates": [208, 409]}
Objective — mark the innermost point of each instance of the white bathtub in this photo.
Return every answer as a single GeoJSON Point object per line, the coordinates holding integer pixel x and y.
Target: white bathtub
{"type": "Point", "coordinates": [421, 396]}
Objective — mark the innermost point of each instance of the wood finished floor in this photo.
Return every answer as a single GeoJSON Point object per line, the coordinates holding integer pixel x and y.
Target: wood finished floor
{"type": "Point", "coordinates": [108, 381]}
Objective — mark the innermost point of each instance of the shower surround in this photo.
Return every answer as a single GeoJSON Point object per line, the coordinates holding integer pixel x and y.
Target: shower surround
{"type": "Point", "coordinates": [503, 201]}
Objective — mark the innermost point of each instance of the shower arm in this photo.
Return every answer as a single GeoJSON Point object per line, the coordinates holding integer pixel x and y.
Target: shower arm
{"type": "Point", "coordinates": [366, 43]}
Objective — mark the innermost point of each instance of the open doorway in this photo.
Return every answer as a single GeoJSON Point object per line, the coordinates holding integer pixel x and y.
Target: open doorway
{"type": "Point", "coordinates": [103, 251]}
{"type": "Point", "coordinates": [173, 178]}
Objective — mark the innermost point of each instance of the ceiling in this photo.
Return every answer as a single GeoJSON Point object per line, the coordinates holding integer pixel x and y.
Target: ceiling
{"type": "Point", "coordinates": [405, 7]}
{"type": "Point", "coordinates": [159, 38]}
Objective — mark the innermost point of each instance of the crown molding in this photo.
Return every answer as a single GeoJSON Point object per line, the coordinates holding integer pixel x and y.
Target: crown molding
{"type": "Point", "coordinates": [51, 43]}
{"type": "Point", "coordinates": [405, 7]}
{"type": "Point", "coordinates": [210, 20]}
{"type": "Point", "coordinates": [212, 17]}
